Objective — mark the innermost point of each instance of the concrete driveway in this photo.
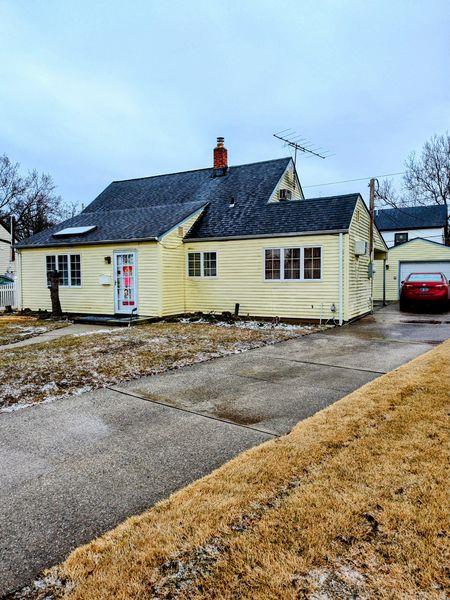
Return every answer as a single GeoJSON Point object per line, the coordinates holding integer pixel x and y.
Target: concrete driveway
{"type": "Point", "coordinates": [76, 467]}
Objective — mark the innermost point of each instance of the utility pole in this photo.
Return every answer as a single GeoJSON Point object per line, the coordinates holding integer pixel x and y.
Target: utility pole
{"type": "Point", "coordinates": [372, 213]}
{"type": "Point", "coordinates": [371, 272]}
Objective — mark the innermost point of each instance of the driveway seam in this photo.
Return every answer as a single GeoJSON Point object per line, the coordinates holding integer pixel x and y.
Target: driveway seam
{"type": "Point", "coordinates": [320, 364]}
{"type": "Point", "coordinates": [193, 412]}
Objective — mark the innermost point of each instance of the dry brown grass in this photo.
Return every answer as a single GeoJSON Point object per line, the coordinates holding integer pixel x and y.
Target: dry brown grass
{"type": "Point", "coordinates": [73, 364]}
{"type": "Point", "coordinates": [351, 504]}
{"type": "Point", "coordinates": [15, 328]}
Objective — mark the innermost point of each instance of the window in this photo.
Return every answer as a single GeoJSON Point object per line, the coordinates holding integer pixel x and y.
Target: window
{"type": "Point", "coordinates": [285, 194]}
{"type": "Point", "coordinates": [400, 238]}
{"type": "Point", "coordinates": [272, 263]}
{"type": "Point", "coordinates": [68, 266]}
{"type": "Point", "coordinates": [209, 264]}
{"type": "Point", "coordinates": [312, 263]}
{"type": "Point", "coordinates": [75, 269]}
{"type": "Point", "coordinates": [437, 277]}
{"type": "Point", "coordinates": [202, 264]}
{"type": "Point", "coordinates": [194, 264]}
{"type": "Point", "coordinates": [290, 264]}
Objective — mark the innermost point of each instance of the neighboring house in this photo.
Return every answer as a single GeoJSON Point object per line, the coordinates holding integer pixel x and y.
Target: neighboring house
{"type": "Point", "coordinates": [6, 263]}
{"type": "Point", "coordinates": [400, 225]}
{"type": "Point", "coordinates": [206, 240]}
{"type": "Point", "coordinates": [415, 237]}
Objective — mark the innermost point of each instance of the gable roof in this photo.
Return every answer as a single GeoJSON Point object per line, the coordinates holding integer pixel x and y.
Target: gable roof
{"type": "Point", "coordinates": [255, 179]}
{"type": "Point", "coordinates": [411, 217]}
{"type": "Point", "coordinates": [419, 240]}
{"type": "Point", "coordinates": [144, 209]}
{"type": "Point", "coordinates": [314, 215]}
{"type": "Point", "coordinates": [124, 225]}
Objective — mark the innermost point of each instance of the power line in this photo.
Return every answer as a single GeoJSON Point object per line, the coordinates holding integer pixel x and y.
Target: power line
{"type": "Point", "coordinates": [351, 180]}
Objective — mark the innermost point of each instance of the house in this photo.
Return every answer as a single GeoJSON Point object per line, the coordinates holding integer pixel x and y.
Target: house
{"type": "Point", "coordinates": [206, 240]}
{"type": "Point", "coordinates": [6, 258]}
{"type": "Point", "coordinates": [415, 237]}
{"type": "Point", "coordinates": [400, 225]}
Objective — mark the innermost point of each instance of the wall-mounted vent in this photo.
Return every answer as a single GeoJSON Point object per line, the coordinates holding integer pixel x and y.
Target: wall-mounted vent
{"type": "Point", "coordinates": [285, 194]}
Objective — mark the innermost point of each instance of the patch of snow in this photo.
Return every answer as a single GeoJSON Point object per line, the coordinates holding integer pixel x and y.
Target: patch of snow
{"type": "Point", "coordinates": [254, 325]}
{"type": "Point", "coordinates": [95, 332]}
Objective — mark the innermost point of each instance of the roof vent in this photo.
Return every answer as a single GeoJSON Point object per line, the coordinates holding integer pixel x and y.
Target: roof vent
{"type": "Point", "coordinates": [75, 231]}
{"type": "Point", "coordinates": [232, 202]}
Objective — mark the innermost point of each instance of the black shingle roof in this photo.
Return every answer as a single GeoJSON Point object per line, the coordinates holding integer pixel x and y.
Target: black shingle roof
{"type": "Point", "coordinates": [246, 219]}
{"type": "Point", "coordinates": [411, 217]}
{"type": "Point", "coordinates": [114, 225]}
{"type": "Point", "coordinates": [148, 207]}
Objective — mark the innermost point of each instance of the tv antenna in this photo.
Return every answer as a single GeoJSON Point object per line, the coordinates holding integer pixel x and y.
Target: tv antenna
{"type": "Point", "coordinates": [300, 144]}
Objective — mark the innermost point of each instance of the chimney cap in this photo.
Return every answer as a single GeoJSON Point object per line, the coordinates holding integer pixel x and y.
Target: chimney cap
{"type": "Point", "coordinates": [220, 140]}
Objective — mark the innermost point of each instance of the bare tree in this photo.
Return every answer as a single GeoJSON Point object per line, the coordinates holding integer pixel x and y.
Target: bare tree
{"type": "Point", "coordinates": [30, 198]}
{"type": "Point", "coordinates": [426, 180]}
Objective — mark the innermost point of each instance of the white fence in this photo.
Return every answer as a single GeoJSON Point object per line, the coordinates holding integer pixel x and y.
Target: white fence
{"type": "Point", "coordinates": [8, 295]}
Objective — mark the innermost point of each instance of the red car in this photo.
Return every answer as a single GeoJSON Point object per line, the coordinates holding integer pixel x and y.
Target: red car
{"type": "Point", "coordinates": [425, 288]}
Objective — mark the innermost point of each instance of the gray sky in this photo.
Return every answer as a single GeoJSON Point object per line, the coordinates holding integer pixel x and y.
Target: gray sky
{"type": "Point", "coordinates": [92, 91]}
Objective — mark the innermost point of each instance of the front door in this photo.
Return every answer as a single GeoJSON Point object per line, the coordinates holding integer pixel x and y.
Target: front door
{"type": "Point", "coordinates": [125, 282]}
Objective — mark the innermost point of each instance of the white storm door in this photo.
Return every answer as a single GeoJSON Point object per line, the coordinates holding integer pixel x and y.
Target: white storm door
{"type": "Point", "coordinates": [125, 282]}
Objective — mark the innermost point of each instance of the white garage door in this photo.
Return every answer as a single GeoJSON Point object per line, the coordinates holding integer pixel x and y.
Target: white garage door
{"type": "Point", "coordinates": [424, 267]}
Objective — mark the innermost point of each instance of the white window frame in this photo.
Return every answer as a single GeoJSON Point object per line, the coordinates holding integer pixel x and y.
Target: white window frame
{"type": "Point", "coordinates": [202, 264]}
{"type": "Point", "coordinates": [302, 264]}
{"type": "Point", "coordinates": [69, 269]}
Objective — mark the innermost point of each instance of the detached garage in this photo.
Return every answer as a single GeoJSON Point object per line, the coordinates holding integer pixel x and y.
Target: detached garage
{"type": "Point", "coordinates": [418, 255]}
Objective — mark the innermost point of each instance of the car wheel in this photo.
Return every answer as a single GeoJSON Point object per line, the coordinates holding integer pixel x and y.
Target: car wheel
{"type": "Point", "coordinates": [403, 305]}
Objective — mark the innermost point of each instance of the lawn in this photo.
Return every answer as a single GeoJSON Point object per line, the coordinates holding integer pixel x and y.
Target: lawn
{"type": "Point", "coordinates": [83, 362]}
{"type": "Point", "coordinates": [351, 504]}
{"type": "Point", "coordinates": [15, 328]}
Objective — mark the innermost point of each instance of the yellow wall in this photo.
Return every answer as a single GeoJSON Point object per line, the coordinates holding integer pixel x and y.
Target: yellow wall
{"type": "Point", "coordinates": [173, 268]}
{"type": "Point", "coordinates": [240, 265]}
{"type": "Point", "coordinates": [358, 284]}
{"type": "Point", "coordinates": [416, 250]}
{"type": "Point", "coordinates": [91, 297]}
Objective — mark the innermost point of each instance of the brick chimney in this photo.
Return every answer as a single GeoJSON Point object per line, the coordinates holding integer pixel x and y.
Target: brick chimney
{"type": "Point", "coordinates": [220, 158]}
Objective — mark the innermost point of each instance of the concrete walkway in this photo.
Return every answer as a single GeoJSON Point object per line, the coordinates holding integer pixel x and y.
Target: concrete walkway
{"type": "Point", "coordinates": [76, 467]}
{"type": "Point", "coordinates": [77, 329]}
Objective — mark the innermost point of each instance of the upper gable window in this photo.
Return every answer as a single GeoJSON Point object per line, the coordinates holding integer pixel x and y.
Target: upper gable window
{"type": "Point", "coordinates": [400, 238]}
{"type": "Point", "coordinates": [285, 194]}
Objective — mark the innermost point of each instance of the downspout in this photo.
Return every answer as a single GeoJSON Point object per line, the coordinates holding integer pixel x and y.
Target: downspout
{"type": "Point", "coordinates": [340, 276]}
{"type": "Point", "coordinates": [384, 282]}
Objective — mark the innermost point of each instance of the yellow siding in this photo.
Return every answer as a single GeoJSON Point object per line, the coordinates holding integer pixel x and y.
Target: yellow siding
{"type": "Point", "coordinates": [287, 182]}
{"type": "Point", "coordinates": [91, 297]}
{"type": "Point", "coordinates": [416, 250]}
{"type": "Point", "coordinates": [359, 300]}
{"type": "Point", "coordinates": [241, 280]}
{"type": "Point", "coordinates": [358, 284]}
{"type": "Point", "coordinates": [173, 267]}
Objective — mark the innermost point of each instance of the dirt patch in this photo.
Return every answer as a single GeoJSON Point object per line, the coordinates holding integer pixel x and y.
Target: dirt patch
{"type": "Point", "coordinates": [75, 364]}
